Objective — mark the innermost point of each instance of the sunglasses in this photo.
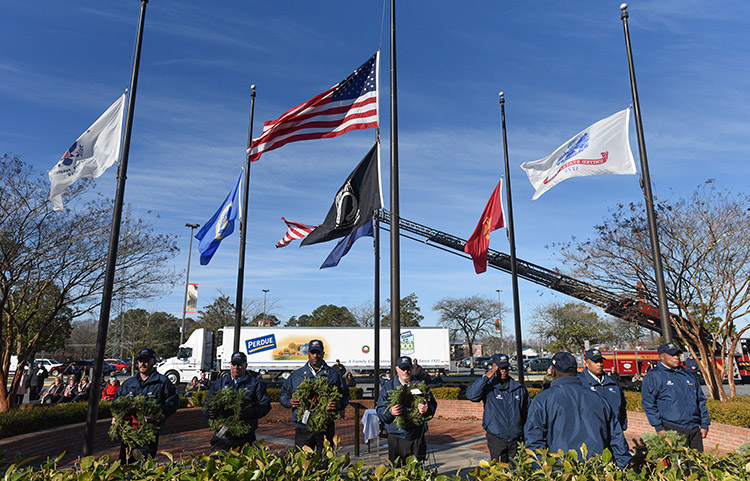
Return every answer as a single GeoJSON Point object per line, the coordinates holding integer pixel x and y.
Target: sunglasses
{"type": "Point", "coordinates": [237, 363]}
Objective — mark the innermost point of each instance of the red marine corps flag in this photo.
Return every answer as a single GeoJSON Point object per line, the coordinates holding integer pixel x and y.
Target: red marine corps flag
{"type": "Point", "coordinates": [492, 219]}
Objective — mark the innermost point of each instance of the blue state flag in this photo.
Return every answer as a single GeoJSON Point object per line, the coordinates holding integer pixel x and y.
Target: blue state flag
{"type": "Point", "coordinates": [220, 225]}
{"type": "Point", "coordinates": [343, 246]}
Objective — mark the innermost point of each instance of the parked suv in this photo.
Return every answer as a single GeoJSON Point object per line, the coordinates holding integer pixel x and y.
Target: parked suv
{"type": "Point", "coordinates": [53, 367]}
{"type": "Point", "coordinates": [540, 364]}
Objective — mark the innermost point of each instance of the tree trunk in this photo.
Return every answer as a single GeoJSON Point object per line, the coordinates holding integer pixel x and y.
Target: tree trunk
{"type": "Point", "coordinates": [5, 397]}
{"type": "Point", "coordinates": [471, 357]}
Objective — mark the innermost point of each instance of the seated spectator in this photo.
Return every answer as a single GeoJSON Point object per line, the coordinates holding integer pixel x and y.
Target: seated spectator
{"type": "Point", "coordinates": [193, 386]}
{"type": "Point", "coordinates": [83, 389]}
{"type": "Point", "coordinates": [54, 393]}
{"type": "Point", "coordinates": [70, 391]}
{"type": "Point", "coordinates": [108, 393]}
{"type": "Point", "coordinates": [349, 379]}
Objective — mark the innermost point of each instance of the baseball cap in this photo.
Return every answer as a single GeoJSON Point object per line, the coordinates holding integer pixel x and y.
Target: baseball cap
{"type": "Point", "coordinates": [501, 360]}
{"type": "Point", "coordinates": [238, 357]}
{"type": "Point", "coordinates": [315, 345]}
{"type": "Point", "coordinates": [564, 362]}
{"type": "Point", "coordinates": [404, 361]}
{"type": "Point", "coordinates": [669, 348]}
{"type": "Point", "coordinates": [146, 355]}
{"type": "Point", "coordinates": [593, 355]}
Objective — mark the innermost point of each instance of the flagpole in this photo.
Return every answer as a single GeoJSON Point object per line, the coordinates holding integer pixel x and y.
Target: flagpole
{"type": "Point", "coordinates": [661, 292]}
{"type": "Point", "coordinates": [376, 306]}
{"type": "Point", "coordinates": [243, 230]}
{"type": "Point", "coordinates": [512, 240]}
{"type": "Point", "coordinates": [395, 251]}
{"type": "Point", "coordinates": [187, 281]}
{"type": "Point", "coordinates": [109, 275]}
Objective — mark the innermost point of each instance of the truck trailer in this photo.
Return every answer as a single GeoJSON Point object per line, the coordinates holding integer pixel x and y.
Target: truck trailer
{"type": "Point", "coordinates": [280, 350]}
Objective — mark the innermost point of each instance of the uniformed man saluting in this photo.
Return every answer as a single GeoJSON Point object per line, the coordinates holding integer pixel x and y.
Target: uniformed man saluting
{"type": "Point", "coordinates": [569, 414]}
{"type": "Point", "coordinates": [506, 404]}
{"type": "Point", "coordinates": [673, 399]}
{"type": "Point", "coordinates": [608, 388]}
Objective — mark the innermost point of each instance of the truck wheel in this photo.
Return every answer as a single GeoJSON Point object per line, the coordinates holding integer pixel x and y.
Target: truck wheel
{"type": "Point", "coordinates": [173, 377]}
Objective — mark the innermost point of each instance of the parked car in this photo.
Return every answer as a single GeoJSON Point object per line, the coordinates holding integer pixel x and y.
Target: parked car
{"type": "Point", "coordinates": [479, 362]}
{"type": "Point", "coordinates": [539, 364]}
{"type": "Point", "coordinates": [120, 365]}
{"type": "Point", "coordinates": [52, 366]}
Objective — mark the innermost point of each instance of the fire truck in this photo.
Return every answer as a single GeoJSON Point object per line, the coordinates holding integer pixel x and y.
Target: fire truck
{"type": "Point", "coordinates": [624, 363]}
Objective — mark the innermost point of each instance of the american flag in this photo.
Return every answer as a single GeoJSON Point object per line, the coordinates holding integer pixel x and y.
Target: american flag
{"type": "Point", "coordinates": [295, 231]}
{"type": "Point", "coordinates": [348, 105]}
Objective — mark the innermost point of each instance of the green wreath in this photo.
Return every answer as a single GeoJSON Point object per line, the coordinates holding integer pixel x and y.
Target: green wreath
{"type": "Point", "coordinates": [229, 403]}
{"type": "Point", "coordinates": [403, 395]}
{"type": "Point", "coordinates": [314, 396]}
{"type": "Point", "coordinates": [137, 420]}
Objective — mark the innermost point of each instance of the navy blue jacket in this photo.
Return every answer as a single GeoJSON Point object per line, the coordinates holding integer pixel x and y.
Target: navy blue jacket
{"type": "Point", "coordinates": [611, 391]}
{"type": "Point", "coordinates": [155, 386]}
{"type": "Point", "coordinates": [384, 414]}
{"type": "Point", "coordinates": [569, 414]}
{"type": "Point", "coordinates": [674, 397]}
{"type": "Point", "coordinates": [292, 382]}
{"type": "Point", "coordinates": [251, 388]}
{"type": "Point", "coordinates": [505, 410]}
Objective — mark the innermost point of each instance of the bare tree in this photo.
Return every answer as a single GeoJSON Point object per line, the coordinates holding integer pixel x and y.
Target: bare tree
{"type": "Point", "coordinates": [705, 246]}
{"type": "Point", "coordinates": [473, 317]}
{"type": "Point", "coordinates": [52, 263]}
{"type": "Point", "coordinates": [365, 313]}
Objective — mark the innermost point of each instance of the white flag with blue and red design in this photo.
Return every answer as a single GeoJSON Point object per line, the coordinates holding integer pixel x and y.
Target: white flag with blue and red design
{"type": "Point", "coordinates": [89, 156]}
{"type": "Point", "coordinates": [603, 148]}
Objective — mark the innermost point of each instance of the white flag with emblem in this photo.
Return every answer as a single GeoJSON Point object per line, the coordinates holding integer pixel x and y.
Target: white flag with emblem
{"type": "Point", "coordinates": [90, 155]}
{"type": "Point", "coordinates": [602, 148]}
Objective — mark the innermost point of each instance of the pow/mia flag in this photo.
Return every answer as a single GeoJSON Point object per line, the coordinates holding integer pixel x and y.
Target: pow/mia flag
{"type": "Point", "coordinates": [354, 202]}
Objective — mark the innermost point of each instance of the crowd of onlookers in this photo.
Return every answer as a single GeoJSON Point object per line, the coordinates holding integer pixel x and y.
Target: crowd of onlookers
{"type": "Point", "coordinates": [71, 385]}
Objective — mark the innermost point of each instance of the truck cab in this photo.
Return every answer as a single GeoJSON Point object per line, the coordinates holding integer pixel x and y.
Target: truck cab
{"type": "Point", "coordinates": [193, 357]}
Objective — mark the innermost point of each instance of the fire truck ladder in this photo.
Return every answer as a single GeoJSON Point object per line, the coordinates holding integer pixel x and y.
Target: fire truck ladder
{"type": "Point", "coordinates": [630, 310]}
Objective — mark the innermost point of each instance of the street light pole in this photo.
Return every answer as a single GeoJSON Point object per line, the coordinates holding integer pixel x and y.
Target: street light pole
{"type": "Point", "coordinates": [500, 314]}
{"type": "Point", "coordinates": [265, 291]}
{"type": "Point", "coordinates": [187, 281]}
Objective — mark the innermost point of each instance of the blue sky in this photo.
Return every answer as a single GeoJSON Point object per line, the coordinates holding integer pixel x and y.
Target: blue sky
{"type": "Point", "coordinates": [562, 66]}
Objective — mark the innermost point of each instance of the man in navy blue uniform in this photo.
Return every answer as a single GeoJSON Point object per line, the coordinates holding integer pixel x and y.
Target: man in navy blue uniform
{"type": "Point", "coordinates": [239, 380]}
{"type": "Point", "coordinates": [506, 404]}
{"type": "Point", "coordinates": [568, 415]}
{"type": "Point", "coordinates": [315, 366]}
{"type": "Point", "coordinates": [673, 400]}
{"type": "Point", "coordinates": [403, 443]}
{"type": "Point", "coordinates": [597, 380]}
{"type": "Point", "coordinates": [150, 383]}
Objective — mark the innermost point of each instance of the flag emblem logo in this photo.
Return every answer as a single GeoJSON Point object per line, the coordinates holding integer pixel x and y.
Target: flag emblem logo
{"type": "Point", "coordinates": [575, 147]}
{"type": "Point", "coordinates": [347, 207]}
{"type": "Point", "coordinates": [223, 222]}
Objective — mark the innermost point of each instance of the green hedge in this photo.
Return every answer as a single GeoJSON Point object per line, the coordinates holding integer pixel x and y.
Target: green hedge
{"type": "Point", "coordinates": [28, 418]}
{"type": "Point", "coordinates": [356, 393]}
{"type": "Point", "coordinates": [445, 392]}
{"type": "Point", "coordinates": [274, 394]}
{"type": "Point", "coordinates": [256, 462]}
{"type": "Point", "coordinates": [735, 412]}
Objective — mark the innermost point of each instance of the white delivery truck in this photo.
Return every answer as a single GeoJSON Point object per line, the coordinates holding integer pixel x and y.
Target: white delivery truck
{"type": "Point", "coordinates": [280, 350]}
